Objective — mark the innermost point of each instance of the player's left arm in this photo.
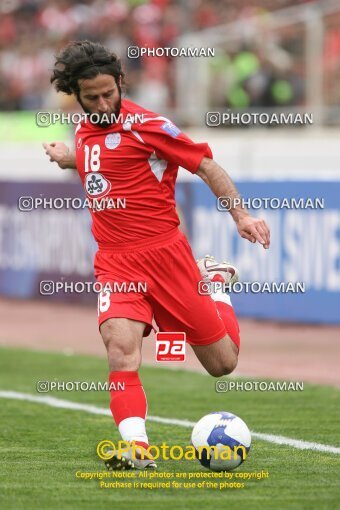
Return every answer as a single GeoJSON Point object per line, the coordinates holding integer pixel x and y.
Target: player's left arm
{"type": "Point", "coordinates": [253, 229]}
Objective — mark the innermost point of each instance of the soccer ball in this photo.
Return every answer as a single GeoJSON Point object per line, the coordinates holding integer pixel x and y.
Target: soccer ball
{"type": "Point", "coordinates": [221, 440]}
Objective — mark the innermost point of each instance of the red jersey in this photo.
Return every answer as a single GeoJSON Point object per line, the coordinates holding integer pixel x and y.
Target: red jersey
{"type": "Point", "coordinates": [132, 168]}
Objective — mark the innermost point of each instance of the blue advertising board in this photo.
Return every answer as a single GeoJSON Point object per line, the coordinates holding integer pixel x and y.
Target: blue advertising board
{"type": "Point", "coordinates": [305, 247]}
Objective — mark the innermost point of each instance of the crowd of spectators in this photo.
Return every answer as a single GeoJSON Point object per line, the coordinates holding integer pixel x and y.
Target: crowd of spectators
{"type": "Point", "coordinates": [33, 31]}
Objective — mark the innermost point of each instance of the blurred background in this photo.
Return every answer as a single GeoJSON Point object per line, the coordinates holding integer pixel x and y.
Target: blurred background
{"type": "Point", "coordinates": [270, 53]}
{"type": "Point", "coordinates": [270, 56]}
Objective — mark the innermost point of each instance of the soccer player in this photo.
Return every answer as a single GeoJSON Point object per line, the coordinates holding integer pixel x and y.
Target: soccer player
{"type": "Point", "coordinates": [127, 152]}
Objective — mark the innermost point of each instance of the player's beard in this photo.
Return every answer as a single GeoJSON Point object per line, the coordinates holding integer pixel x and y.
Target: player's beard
{"type": "Point", "coordinates": [107, 117]}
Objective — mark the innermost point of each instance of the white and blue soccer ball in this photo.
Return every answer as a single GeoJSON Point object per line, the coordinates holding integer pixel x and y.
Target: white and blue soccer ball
{"type": "Point", "coordinates": [228, 434]}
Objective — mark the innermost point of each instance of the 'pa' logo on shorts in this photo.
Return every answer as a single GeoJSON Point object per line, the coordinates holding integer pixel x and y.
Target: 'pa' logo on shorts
{"type": "Point", "coordinates": [170, 346]}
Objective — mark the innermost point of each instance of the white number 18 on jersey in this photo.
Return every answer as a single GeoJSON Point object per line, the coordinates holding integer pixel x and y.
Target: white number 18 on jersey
{"type": "Point", "coordinates": [92, 161]}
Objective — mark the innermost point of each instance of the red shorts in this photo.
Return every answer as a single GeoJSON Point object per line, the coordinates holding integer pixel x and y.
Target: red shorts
{"type": "Point", "coordinates": [157, 278]}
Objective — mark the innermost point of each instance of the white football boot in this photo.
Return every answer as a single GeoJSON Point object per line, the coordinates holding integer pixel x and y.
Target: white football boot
{"type": "Point", "coordinates": [214, 271]}
{"type": "Point", "coordinates": [132, 459]}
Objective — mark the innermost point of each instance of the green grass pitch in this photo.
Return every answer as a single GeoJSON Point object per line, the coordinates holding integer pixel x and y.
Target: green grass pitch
{"type": "Point", "coordinates": [43, 447]}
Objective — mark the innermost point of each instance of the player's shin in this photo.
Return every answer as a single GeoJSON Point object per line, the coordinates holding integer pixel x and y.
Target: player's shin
{"type": "Point", "coordinates": [129, 409]}
{"type": "Point", "coordinates": [222, 277]}
{"type": "Point", "coordinates": [226, 312]}
{"type": "Point", "coordinates": [128, 405]}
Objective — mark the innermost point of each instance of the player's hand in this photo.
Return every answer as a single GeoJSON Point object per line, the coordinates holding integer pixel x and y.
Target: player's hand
{"type": "Point", "coordinates": [58, 152]}
{"type": "Point", "coordinates": [254, 229]}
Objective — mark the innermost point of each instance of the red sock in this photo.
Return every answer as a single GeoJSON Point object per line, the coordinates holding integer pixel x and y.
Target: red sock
{"type": "Point", "coordinates": [229, 319]}
{"type": "Point", "coordinates": [130, 401]}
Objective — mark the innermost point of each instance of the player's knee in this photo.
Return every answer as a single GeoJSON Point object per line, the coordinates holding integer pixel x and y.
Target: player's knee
{"type": "Point", "coordinates": [123, 361]}
{"type": "Point", "coordinates": [225, 366]}
{"type": "Point", "coordinates": [122, 349]}
{"type": "Point", "coordinates": [231, 364]}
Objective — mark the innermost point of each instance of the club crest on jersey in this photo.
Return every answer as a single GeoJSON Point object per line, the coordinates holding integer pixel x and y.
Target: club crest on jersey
{"type": "Point", "coordinates": [112, 140]}
{"type": "Point", "coordinates": [96, 185]}
{"type": "Point", "coordinates": [171, 129]}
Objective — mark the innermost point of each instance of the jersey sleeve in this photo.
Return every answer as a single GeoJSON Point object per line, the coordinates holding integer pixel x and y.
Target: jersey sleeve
{"type": "Point", "coordinates": [173, 145]}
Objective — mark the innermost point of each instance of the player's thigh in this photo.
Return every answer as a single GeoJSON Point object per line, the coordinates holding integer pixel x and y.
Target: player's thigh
{"type": "Point", "coordinates": [218, 358]}
{"type": "Point", "coordinates": [176, 300]}
{"type": "Point", "coordinates": [123, 341]}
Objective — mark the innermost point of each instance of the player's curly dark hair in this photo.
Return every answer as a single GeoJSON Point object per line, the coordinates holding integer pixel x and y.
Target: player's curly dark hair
{"type": "Point", "coordinates": [83, 60]}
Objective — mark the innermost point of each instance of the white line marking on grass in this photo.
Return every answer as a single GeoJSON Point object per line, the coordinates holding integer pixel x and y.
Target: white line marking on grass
{"type": "Point", "coordinates": [74, 406]}
{"type": "Point", "coordinates": [296, 443]}
{"type": "Point", "coordinates": [55, 402]}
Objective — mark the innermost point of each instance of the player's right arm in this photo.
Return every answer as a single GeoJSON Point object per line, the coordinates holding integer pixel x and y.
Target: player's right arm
{"type": "Point", "coordinates": [61, 154]}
